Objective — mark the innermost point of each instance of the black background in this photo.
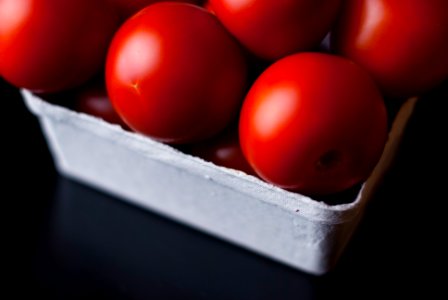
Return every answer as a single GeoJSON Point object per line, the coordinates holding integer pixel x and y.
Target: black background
{"type": "Point", "coordinates": [64, 240]}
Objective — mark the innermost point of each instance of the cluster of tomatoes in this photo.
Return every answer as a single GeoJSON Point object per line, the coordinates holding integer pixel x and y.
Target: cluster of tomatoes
{"type": "Point", "coordinates": [308, 119]}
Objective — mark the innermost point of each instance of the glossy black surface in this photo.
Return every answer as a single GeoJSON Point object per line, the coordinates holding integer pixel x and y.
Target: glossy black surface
{"type": "Point", "coordinates": [64, 240]}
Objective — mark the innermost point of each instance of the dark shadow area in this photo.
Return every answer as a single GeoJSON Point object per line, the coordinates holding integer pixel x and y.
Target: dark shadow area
{"type": "Point", "coordinates": [96, 245]}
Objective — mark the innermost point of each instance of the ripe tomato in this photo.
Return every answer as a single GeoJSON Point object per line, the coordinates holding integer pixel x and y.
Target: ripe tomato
{"type": "Point", "coordinates": [402, 43]}
{"type": "Point", "coordinates": [313, 123]}
{"type": "Point", "coordinates": [223, 150]}
{"type": "Point", "coordinates": [272, 29]}
{"type": "Point", "coordinates": [208, 6]}
{"type": "Point", "coordinates": [93, 100]}
{"type": "Point", "coordinates": [51, 45]}
{"type": "Point", "coordinates": [175, 74]}
{"type": "Point", "coordinates": [129, 7]}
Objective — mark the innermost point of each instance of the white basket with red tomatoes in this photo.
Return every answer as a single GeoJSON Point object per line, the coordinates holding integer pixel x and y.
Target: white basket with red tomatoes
{"type": "Point", "coordinates": [232, 118]}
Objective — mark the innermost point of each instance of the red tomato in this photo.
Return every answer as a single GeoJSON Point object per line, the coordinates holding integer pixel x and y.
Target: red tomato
{"type": "Point", "coordinates": [313, 123]}
{"type": "Point", "coordinates": [175, 74]}
{"type": "Point", "coordinates": [402, 43]}
{"type": "Point", "coordinates": [93, 100]}
{"type": "Point", "coordinates": [272, 29]}
{"type": "Point", "coordinates": [129, 7]}
{"type": "Point", "coordinates": [208, 6]}
{"type": "Point", "coordinates": [51, 45]}
{"type": "Point", "coordinates": [223, 150]}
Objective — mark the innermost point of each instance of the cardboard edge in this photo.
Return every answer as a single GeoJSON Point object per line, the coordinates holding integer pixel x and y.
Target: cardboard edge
{"type": "Point", "coordinates": [390, 150]}
{"type": "Point", "coordinates": [237, 180]}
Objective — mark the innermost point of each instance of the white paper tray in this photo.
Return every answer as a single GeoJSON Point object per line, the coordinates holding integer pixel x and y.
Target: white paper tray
{"type": "Point", "coordinates": [287, 227]}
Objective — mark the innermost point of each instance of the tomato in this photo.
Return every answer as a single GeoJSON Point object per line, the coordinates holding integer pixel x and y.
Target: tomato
{"type": "Point", "coordinates": [272, 29]}
{"type": "Point", "coordinates": [223, 150]}
{"type": "Point", "coordinates": [402, 43]}
{"type": "Point", "coordinates": [93, 100]}
{"type": "Point", "coordinates": [175, 74]}
{"type": "Point", "coordinates": [313, 123]}
{"type": "Point", "coordinates": [51, 45]}
{"type": "Point", "coordinates": [129, 7]}
{"type": "Point", "coordinates": [208, 6]}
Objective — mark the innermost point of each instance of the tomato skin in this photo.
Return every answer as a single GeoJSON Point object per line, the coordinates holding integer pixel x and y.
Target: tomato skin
{"type": "Point", "coordinates": [129, 7]}
{"type": "Point", "coordinates": [187, 81]}
{"type": "Point", "coordinates": [52, 45]}
{"type": "Point", "coordinates": [93, 100]}
{"type": "Point", "coordinates": [208, 6]}
{"type": "Point", "coordinates": [223, 150]}
{"type": "Point", "coordinates": [402, 43]}
{"type": "Point", "coordinates": [272, 29]}
{"type": "Point", "coordinates": [313, 123]}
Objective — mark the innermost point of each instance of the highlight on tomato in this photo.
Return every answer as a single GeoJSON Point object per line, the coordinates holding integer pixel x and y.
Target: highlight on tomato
{"type": "Point", "coordinates": [403, 44]}
{"type": "Point", "coordinates": [313, 123]}
{"type": "Point", "coordinates": [272, 29]}
{"type": "Point", "coordinates": [52, 45]}
{"type": "Point", "coordinates": [175, 74]}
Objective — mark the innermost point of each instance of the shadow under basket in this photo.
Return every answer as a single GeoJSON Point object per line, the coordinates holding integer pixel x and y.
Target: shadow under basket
{"type": "Point", "coordinates": [293, 229]}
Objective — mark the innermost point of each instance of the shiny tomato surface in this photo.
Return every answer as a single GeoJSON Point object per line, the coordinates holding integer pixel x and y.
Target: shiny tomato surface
{"type": "Point", "coordinates": [272, 29]}
{"type": "Point", "coordinates": [175, 74]}
{"type": "Point", "coordinates": [313, 123]}
{"type": "Point", "coordinates": [52, 45]}
{"type": "Point", "coordinates": [403, 44]}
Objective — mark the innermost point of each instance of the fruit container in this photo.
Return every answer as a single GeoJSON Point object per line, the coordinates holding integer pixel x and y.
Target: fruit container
{"type": "Point", "coordinates": [304, 233]}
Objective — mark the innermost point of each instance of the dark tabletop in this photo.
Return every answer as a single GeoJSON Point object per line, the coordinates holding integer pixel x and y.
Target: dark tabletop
{"type": "Point", "coordinates": [64, 240]}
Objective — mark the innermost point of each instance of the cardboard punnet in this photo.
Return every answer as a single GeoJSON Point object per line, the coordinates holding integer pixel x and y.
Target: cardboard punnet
{"type": "Point", "coordinates": [287, 227]}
